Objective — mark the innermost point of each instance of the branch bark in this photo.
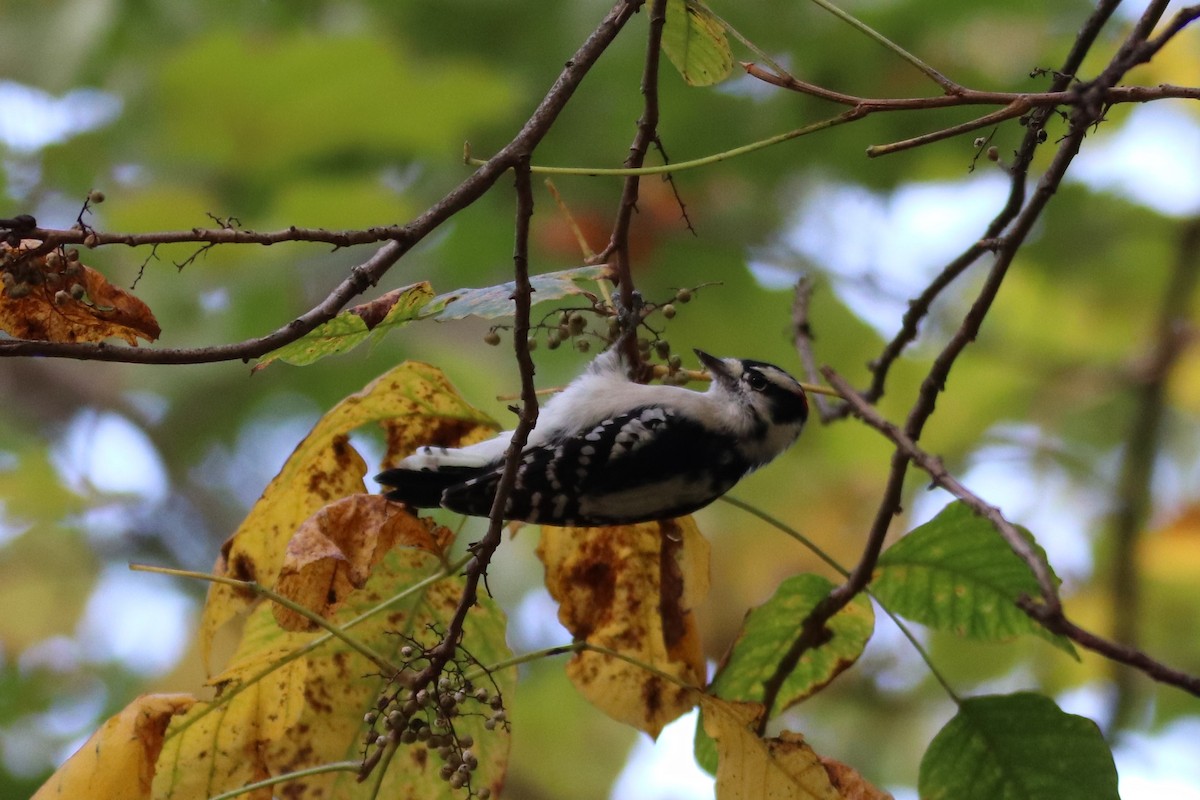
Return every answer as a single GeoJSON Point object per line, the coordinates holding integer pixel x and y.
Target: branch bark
{"type": "Point", "coordinates": [368, 273]}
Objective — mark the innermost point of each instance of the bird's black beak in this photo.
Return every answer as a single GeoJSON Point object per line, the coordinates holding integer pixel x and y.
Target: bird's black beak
{"type": "Point", "coordinates": [717, 368]}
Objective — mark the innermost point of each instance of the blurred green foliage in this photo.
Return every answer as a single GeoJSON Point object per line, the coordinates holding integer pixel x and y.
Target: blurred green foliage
{"type": "Point", "coordinates": [354, 114]}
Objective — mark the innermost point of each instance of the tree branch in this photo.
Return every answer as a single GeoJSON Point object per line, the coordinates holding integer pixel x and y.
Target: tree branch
{"type": "Point", "coordinates": [1133, 497]}
{"type": "Point", "coordinates": [367, 274]}
{"type": "Point", "coordinates": [1046, 609]}
{"type": "Point", "coordinates": [1023, 216]}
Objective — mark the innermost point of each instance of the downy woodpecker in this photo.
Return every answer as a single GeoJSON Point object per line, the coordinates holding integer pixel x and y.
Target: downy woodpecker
{"type": "Point", "coordinates": [608, 451]}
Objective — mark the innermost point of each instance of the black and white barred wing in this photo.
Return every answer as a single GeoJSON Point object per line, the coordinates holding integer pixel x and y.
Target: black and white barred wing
{"type": "Point", "coordinates": [649, 463]}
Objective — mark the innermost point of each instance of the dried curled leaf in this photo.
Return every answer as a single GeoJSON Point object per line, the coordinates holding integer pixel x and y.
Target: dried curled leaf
{"type": "Point", "coordinates": [52, 297]}
{"type": "Point", "coordinates": [632, 589]}
{"type": "Point", "coordinates": [335, 550]}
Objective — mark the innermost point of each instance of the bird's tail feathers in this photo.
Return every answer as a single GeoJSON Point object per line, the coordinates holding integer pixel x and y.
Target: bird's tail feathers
{"type": "Point", "coordinates": [422, 488]}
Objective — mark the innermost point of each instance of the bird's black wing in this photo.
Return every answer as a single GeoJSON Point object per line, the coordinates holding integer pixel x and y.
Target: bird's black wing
{"type": "Point", "coordinates": [649, 463]}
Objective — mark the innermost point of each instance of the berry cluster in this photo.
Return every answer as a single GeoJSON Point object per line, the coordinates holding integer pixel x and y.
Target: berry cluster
{"type": "Point", "coordinates": [58, 272]}
{"type": "Point", "coordinates": [570, 326]}
{"type": "Point", "coordinates": [425, 716]}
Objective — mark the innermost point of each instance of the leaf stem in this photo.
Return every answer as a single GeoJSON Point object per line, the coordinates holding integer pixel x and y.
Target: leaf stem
{"type": "Point", "coordinates": [948, 85]}
{"type": "Point", "coordinates": [783, 527]}
{"type": "Point", "coordinates": [335, 766]}
{"type": "Point", "coordinates": [312, 616]}
{"type": "Point", "coordinates": [679, 166]}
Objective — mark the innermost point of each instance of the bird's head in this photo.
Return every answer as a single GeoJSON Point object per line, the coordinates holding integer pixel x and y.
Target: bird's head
{"type": "Point", "coordinates": [774, 399]}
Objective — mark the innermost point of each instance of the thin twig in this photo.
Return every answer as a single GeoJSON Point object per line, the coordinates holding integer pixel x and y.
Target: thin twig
{"type": "Point", "coordinates": [802, 337]}
{"type": "Point", "coordinates": [647, 132]}
{"type": "Point", "coordinates": [1046, 609]}
{"type": "Point", "coordinates": [1047, 584]}
{"type": "Point", "coordinates": [476, 570]}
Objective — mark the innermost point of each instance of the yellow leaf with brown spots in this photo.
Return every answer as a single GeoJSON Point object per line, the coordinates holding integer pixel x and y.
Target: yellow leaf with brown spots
{"type": "Point", "coordinates": [783, 768]}
{"type": "Point", "coordinates": [632, 589]}
{"type": "Point", "coordinates": [54, 298]}
{"type": "Point", "coordinates": [335, 550]}
{"type": "Point", "coordinates": [118, 760]}
{"type": "Point", "coordinates": [290, 701]}
{"type": "Point", "coordinates": [414, 403]}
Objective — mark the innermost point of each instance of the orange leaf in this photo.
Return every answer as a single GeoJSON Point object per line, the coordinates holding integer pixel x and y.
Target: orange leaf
{"type": "Point", "coordinates": [632, 589]}
{"type": "Point", "coordinates": [336, 549]}
{"type": "Point", "coordinates": [54, 298]}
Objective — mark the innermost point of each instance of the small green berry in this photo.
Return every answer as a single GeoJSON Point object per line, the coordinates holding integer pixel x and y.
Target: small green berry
{"type": "Point", "coordinates": [683, 296]}
{"type": "Point", "coordinates": [583, 345]}
{"type": "Point", "coordinates": [492, 338]}
{"type": "Point", "coordinates": [668, 311]}
{"type": "Point", "coordinates": [96, 196]}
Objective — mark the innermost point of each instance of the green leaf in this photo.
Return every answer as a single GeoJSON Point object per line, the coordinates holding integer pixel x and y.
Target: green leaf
{"type": "Point", "coordinates": [1017, 747]}
{"type": "Point", "coordinates": [694, 40]}
{"type": "Point", "coordinates": [491, 302]}
{"type": "Point", "coordinates": [354, 326]}
{"type": "Point", "coordinates": [955, 573]}
{"type": "Point", "coordinates": [767, 633]}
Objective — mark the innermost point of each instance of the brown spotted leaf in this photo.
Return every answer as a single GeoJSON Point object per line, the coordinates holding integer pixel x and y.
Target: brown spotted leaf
{"type": "Point", "coordinates": [335, 551]}
{"type": "Point", "coordinates": [53, 299]}
{"type": "Point", "coordinates": [118, 760]}
{"type": "Point", "coordinates": [632, 589]}
{"type": "Point", "coordinates": [294, 700]}
{"type": "Point", "coordinates": [414, 402]}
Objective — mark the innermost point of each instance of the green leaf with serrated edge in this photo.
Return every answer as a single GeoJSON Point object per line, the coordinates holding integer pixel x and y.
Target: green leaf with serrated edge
{"type": "Point", "coordinates": [491, 302]}
{"type": "Point", "coordinates": [767, 633]}
{"type": "Point", "coordinates": [354, 326]}
{"type": "Point", "coordinates": [1017, 747]}
{"type": "Point", "coordinates": [955, 573]}
{"type": "Point", "coordinates": [694, 41]}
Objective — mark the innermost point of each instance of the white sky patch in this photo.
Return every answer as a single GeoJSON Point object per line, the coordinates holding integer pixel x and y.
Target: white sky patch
{"type": "Point", "coordinates": [1160, 765]}
{"type": "Point", "coordinates": [882, 249]}
{"type": "Point", "coordinates": [1153, 159]}
{"type": "Point", "coordinates": [666, 769]}
{"type": "Point", "coordinates": [105, 452]}
{"type": "Point", "coordinates": [137, 618]}
{"type": "Point", "coordinates": [533, 624]}
{"type": "Point", "coordinates": [34, 119]}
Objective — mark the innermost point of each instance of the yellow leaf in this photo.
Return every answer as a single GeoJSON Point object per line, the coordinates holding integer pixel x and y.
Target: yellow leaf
{"type": "Point", "coordinates": [291, 701]}
{"type": "Point", "coordinates": [118, 760]}
{"type": "Point", "coordinates": [632, 589]}
{"type": "Point", "coordinates": [416, 405]}
{"type": "Point", "coordinates": [751, 767]}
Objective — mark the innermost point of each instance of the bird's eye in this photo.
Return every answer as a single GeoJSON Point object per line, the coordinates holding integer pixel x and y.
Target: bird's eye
{"type": "Point", "coordinates": [756, 380]}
